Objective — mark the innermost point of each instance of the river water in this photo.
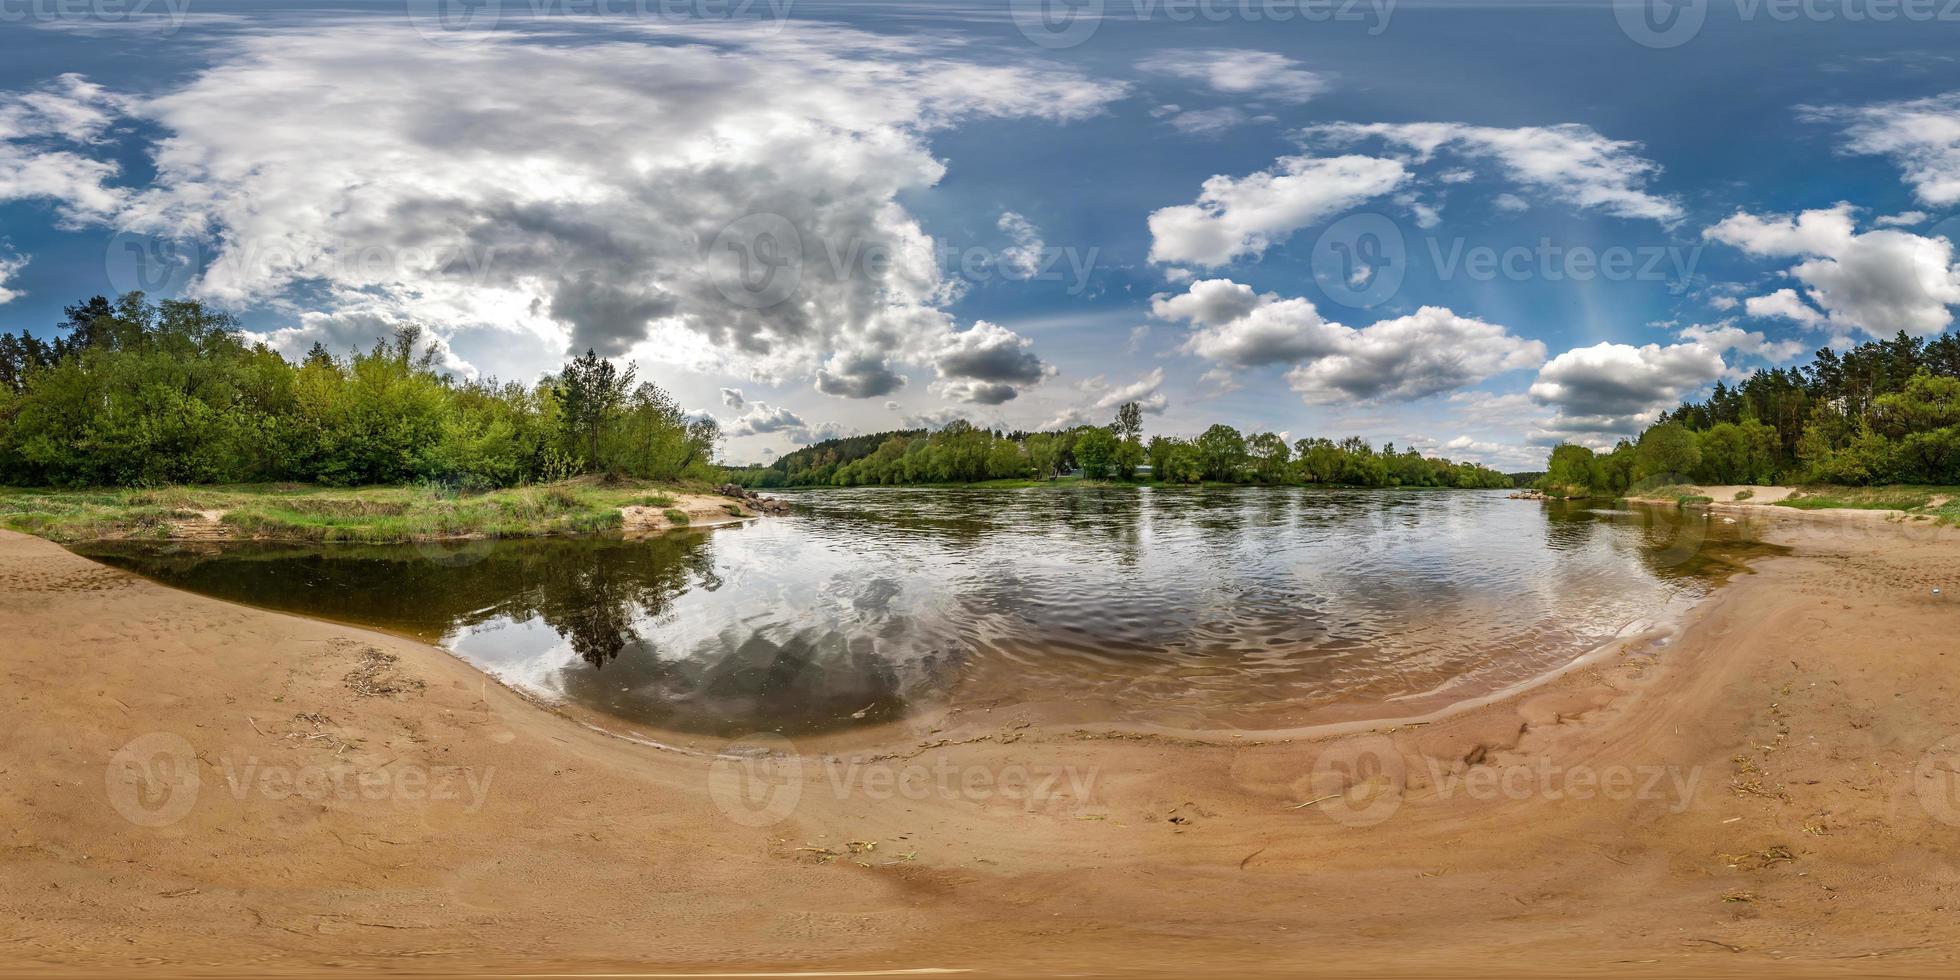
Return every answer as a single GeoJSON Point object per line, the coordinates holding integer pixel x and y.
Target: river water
{"type": "Point", "coordinates": [1248, 608]}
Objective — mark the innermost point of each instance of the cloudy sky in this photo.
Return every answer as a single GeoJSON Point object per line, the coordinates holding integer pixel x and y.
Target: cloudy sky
{"type": "Point", "coordinates": [1478, 229]}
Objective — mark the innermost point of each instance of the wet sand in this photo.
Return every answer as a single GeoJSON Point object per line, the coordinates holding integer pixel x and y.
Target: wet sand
{"type": "Point", "coordinates": [1770, 792]}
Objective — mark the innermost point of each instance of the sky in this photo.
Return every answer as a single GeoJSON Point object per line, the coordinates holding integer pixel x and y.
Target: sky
{"type": "Point", "coordinates": [1478, 229]}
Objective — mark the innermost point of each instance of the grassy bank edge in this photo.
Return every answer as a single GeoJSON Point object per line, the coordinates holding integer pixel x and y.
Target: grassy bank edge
{"type": "Point", "coordinates": [1937, 503]}
{"type": "Point", "coordinates": [309, 513]}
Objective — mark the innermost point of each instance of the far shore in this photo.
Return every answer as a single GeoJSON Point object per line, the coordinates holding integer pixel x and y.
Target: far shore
{"type": "Point", "coordinates": [198, 786]}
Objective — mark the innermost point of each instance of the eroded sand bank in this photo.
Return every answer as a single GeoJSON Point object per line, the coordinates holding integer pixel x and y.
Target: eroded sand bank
{"type": "Point", "coordinates": [1772, 792]}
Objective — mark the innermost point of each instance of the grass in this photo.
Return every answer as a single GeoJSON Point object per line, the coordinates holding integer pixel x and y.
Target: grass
{"type": "Point", "coordinates": [676, 517]}
{"type": "Point", "coordinates": [1693, 499]}
{"type": "Point", "coordinates": [1742, 495]}
{"type": "Point", "coordinates": [299, 512]}
{"type": "Point", "coordinates": [1910, 499]}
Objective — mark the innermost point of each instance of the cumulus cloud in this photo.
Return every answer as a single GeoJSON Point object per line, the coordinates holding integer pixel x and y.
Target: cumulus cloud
{"type": "Point", "coordinates": [1726, 336]}
{"type": "Point", "coordinates": [1569, 163]}
{"type": "Point", "coordinates": [1431, 351]}
{"type": "Point", "coordinates": [1237, 216]}
{"type": "Point", "coordinates": [1904, 219]}
{"type": "Point", "coordinates": [1240, 72]}
{"type": "Point", "coordinates": [10, 266]}
{"type": "Point", "coordinates": [1879, 281]}
{"type": "Point", "coordinates": [1783, 303]}
{"type": "Point", "coordinates": [987, 365]}
{"type": "Point", "coordinates": [858, 374]}
{"type": "Point", "coordinates": [1921, 136]}
{"type": "Point", "coordinates": [763, 418]}
{"type": "Point", "coordinates": [1207, 302]}
{"type": "Point", "coordinates": [732, 397]}
{"type": "Point", "coordinates": [1610, 391]}
{"type": "Point", "coordinates": [690, 185]}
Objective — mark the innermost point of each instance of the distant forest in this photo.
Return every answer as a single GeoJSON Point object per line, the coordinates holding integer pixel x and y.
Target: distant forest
{"type": "Point", "coordinates": [1885, 411]}
{"type": "Point", "coordinates": [132, 393]}
{"type": "Point", "coordinates": [962, 453]}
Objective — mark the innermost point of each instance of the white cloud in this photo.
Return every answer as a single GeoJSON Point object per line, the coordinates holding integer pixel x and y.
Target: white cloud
{"type": "Point", "coordinates": [1428, 352]}
{"type": "Point", "coordinates": [1022, 259]}
{"type": "Point", "coordinates": [1569, 163]}
{"type": "Point", "coordinates": [45, 136]}
{"type": "Point", "coordinates": [1726, 336]}
{"type": "Point", "coordinates": [1245, 215]}
{"type": "Point", "coordinates": [1239, 71]}
{"type": "Point", "coordinates": [1903, 219]}
{"type": "Point", "coordinates": [1880, 281]}
{"type": "Point", "coordinates": [763, 418]}
{"type": "Point", "coordinates": [732, 397]}
{"type": "Point", "coordinates": [1610, 391]}
{"type": "Point", "coordinates": [1922, 136]}
{"type": "Point", "coordinates": [1784, 303]}
{"type": "Point", "coordinates": [611, 197]}
{"type": "Point", "coordinates": [1431, 351]}
{"type": "Point", "coordinates": [1207, 302]}
{"type": "Point", "coordinates": [1209, 122]}
{"type": "Point", "coordinates": [10, 267]}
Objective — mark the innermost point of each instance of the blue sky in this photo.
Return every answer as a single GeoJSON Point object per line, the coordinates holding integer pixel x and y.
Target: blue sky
{"type": "Point", "coordinates": [1474, 228]}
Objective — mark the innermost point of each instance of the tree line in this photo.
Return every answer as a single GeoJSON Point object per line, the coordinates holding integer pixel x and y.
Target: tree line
{"type": "Point", "coordinates": [134, 393]}
{"type": "Point", "coordinates": [963, 453]}
{"type": "Point", "coordinates": [1885, 411]}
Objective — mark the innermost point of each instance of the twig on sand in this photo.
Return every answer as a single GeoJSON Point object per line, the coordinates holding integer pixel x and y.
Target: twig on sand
{"type": "Point", "coordinates": [1302, 806]}
{"type": "Point", "coordinates": [1254, 854]}
{"type": "Point", "coordinates": [1713, 942]}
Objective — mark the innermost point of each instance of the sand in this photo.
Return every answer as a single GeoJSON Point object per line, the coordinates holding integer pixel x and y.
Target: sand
{"type": "Point", "coordinates": [1771, 792]}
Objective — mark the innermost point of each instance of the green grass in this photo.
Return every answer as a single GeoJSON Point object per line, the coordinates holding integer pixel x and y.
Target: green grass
{"type": "Point", "coordinates": [298, 512]}
{"type": "Point", "coordinates": [676, 517]}
{"type": "Point", "coordinates": [734, 510]}
{"type": "Point", "coordinates": [1742, 495]}
{"type": "Point", "coordinates": [1693, 499]}
{"type": "Point", "coordinates": [1911, 499]}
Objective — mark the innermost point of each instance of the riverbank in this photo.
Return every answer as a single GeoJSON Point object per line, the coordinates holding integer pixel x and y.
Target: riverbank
{"type": "Point", "coordinates": [1770, 792]}
{"type": "Point", "coordinates": [372, 515]}
{"type": "Point", "coordinates": [1918, 504]}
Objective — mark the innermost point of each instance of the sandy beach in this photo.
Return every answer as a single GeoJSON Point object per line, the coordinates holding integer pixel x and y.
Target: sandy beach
{"type": "Point", "coordinates": [196, 786]}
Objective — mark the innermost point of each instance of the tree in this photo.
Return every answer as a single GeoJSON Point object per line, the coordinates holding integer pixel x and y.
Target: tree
{"type": "Point", "coordinates": [1572, 471]}
{"type": "Point", "coordinates": [1666, 452]}
{"type": "Point", "coordinates": [590, 392]}
{"type": "Point", "coordinates": [1269, 457]}
{"type": "Point", "coordinates": [1221, 453]}
{"type": "Point", "coordinates": [1095, 451]}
